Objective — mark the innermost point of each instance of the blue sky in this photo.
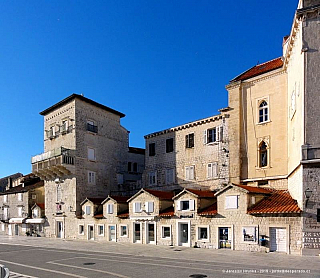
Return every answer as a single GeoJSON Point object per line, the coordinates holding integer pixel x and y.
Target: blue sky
{"type": "Point", "coordinates": [162, 63]}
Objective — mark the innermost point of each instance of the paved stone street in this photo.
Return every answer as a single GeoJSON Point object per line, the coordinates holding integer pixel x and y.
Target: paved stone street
{"type": "Point", "coordinates": [44, 257]}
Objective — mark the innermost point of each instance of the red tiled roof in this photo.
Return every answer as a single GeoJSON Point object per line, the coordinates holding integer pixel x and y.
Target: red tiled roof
{"type": "Point", "coordinates": [167, 212]}
{"type": "Point", "coordinates": [210, 210]}
{"type": "Point", "coordinates": [254, 189]}
{"type": "Point", "coordinates": [41, 205]}
{"type": "Point", "coordinates": [98, 216]}
{"type": "Point", "coordinates": [280, 201]}
{"type": "Point", "coordinates": [120, 199]}
{"type": "Point", "coordinates": [96, 201]}
{"type": "Point", "coordinates": [124, 214]}
{"type": "Point", "coordinates": [260, 69]}
{"type": "Point", "coordinates": [202, 193]}
{"type": "Point", "coordinates": [162, 195]}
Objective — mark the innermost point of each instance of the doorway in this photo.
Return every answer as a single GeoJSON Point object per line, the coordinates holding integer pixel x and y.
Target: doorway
{"type": "Point", "coordinates": [59, 229]}
{"type": "Point", "coordinates": [16, 230]}
{"type": "Point", "coordinates": [137, 232]}
{"type": "Point", "coordinates": [278, 240]}
{"type": "Point", "coordinates": [90, 232]}
{"type": "Point", "coordinates": [112, 233]}
{"type": "Point", "coordinates": [224, 238]}
{"type": "Point", "coordinates": [151, 233]}
{"type": "Point", "coordinates": [183, 234]}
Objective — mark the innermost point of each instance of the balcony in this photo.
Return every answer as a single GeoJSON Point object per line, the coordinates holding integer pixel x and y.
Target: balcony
{"type": "Point", "coordinates": [53, 164]}
{"type": "Point", "coordinates": [310, 154]}
{"type": "Point", "coordinates": [92, 128]}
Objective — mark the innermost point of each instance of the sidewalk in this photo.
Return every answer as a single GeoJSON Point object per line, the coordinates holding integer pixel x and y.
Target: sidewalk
{"type": "Point", "coordinates": [263, 260]}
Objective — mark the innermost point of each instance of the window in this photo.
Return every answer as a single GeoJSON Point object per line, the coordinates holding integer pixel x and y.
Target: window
{"type": "Point", "coordinates": [20, 211]}
{"type": "Point", "coordinates": [2, 227]}
{"type": "Point", "coordinates": [190, 140]}
{"type": "Point", "coordinates": [190, 173]}
{"type": "Point", "coordinates": [231, 202]}
{"type": "Point", "coordinates": [100, 230]}
{"type": "Point", "coordinates": [185, 205]}
{"type": "Point", "coordinates": [129, 166]}
{"type": "Point", "coordinates": [152, 149]}
{"type": "Point", "coordinates": [263, 155]}
{"type": "Point", "coordinates": [92, 127]}
{"type": "Point", "coordinates": [34, 196]}
{"type": "Point", "coordinates": [91, 177]}
{"type": "Point", "coordinates": [166, 232]}
{"type": "Point", "coordinates": [263, 112]}
{"type": "Point", "coordinates": [91, 154]}
{"type": "Point", "coordinates": [59, 193]}
{"type": "Point", "coordinates": [135, 167]}
{"type": "Point", "coordinates": [137, 207]}
{"type": "Point", "coordinates": [110, 208]}
{"type": "Point", "coordinates": [64, 127]}
{"type": "Point", "coordinates": [169, 145]}
{"type": "Point", "coordinates": [169, 176]}
{"type": "Point", "coordinates": [213, 135]}
{"type": "Point", "coordinates": [318, 215]}
{"type": "Point", "coordinates": [20, 196]}
{"type": "Point", "coordinates": [253, 200]}
{"type": "Point", "coordinates": [5, 213]}
{"type": "Point", "coordinates": [5, 198]}
{"type": "Point", "coordinates": [81, 229]}
{"type": "Point", "coordinates": [149, 206]}
{"type": "Point", "coordinates": [249, 234]}
{"type": "Point", "coordinates": [120, 178]}
{"type": "Point", "coordinates": [203, 233]}
{"type": "Point", "coordinates": [123, 230]}
{"type": "Point", "coordinates": [152, 178]}
{"type": "Point", "coordinates": [36, 213]}
{"type": "Point", "coordinates": [88, 210]}
{"type": "Point", "coordinates": [212, 170]}
{"type": "Point", "coordinates": [52, 132]}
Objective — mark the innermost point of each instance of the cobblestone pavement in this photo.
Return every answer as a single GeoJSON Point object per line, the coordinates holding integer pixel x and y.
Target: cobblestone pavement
{"type": "Point", "coordinates": [45, 257]}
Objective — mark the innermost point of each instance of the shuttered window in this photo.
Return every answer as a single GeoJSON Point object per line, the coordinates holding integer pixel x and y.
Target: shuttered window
{"type": "Point", "coordinates": [190, 173]}
{"type": "Point", "coordinates": [110, 208]}
{"type": "Point", "coordinates": [88, 210]}
{"type": "Point", "coordinates": [149, 206]}
{"type": "Point", "coordinates": [231, 202]}
{"type": "Point", "coordinates": [137, 207]}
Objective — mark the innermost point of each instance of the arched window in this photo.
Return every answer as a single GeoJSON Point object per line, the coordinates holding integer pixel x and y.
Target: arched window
{"type": "Point", "coordinates": [263, 155]}
{"type": "Point", "coordinates": [263, 112]}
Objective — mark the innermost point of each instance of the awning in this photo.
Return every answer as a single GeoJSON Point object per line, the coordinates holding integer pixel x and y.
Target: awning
{"type": "Point", "coordinates": [16, 220]}
{"type": "Point", "coordinates": [35, 220]}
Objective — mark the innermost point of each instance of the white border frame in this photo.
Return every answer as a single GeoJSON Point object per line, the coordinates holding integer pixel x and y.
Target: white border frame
{"type": "Point", "coordinates": [179, 222]}
{"type": "Point", "coordinates": [79, 229]}
{"type": "Point", "coordinates": [103, 233]}
{"type": "Point", "coordinates": [161, 233]}
{"type": "Point", "coordinates": [123, 225]}
{"type": "Point", "coordinates": [285, 226]}
{"type": "Point", "coordinates": [89, 233]}
{"type": "Point", "coordinates": [258, 101]}
{"type": "Point", "coordinates": [230, 232]}
{"type": "Point", "coordinates": [115, 233]}
{"type": "Point", "coordinates": [208, 233]}
{"type": "Point", "coordinates": [147, 232]}
{"type": "Point", "coordinates": [133, 232]}
{"type": "Point", "coordinates": [257, 234]}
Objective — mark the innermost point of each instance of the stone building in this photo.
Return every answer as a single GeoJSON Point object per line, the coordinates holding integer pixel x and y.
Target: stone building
{"type": "Point", "coordinates": [17, 203]}
{"type": "Point", "coordinates": [274, 134]}
{"type": "Point", "coordinates": [193, 155]}
{"type": "Point", "coordinates": [7, 180]}
{"type": "Point", "coordinates": [86, 153]}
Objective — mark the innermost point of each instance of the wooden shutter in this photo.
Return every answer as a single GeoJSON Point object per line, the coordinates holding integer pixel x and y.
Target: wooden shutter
{"type": "Point", "coordinates": [191, 204]}
{"type": "Point", "coordinates": [191, 172]}
{"type": "Point", "coordinates": [205, 138]}
{"type": "Point", "coordinates": [178, 205]}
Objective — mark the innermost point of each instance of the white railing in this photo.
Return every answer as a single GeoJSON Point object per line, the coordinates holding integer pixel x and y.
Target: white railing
{"type": "Point", "coordinates": [50, 154]}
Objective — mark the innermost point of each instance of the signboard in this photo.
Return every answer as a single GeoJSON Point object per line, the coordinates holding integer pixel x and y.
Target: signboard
{"type": "Point", "coordinates": [311, 240]}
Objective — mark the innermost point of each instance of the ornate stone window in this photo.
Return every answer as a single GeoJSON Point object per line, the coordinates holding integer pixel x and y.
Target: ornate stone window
{"type": "Point", "coordinates": [263, 154]}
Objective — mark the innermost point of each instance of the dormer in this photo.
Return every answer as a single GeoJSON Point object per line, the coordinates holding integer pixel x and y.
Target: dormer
{"type": "Point", "coordinates": [147, 203]}
{"type": "Point", "coordinates": [234, 199]}
{"type": "Point", "coordinates": [37, 210]}
{"type": "Point", "coordinates": [114, 206]}
{"type": "Point", "coordinates": [92, 207]}
{"type": "Point", "coordinates": [191, 201]}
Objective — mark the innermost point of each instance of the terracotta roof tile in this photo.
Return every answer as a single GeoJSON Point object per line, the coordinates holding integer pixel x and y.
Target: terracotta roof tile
{"type": "Point", "coordinates": [124, 214]}
{"type": "Point", "coordinates": [96, 201]}
{"type": "Point", "coordinates": [168, 212]}
{"type": "Point", "coordinates": [260, 69]}
{"type": "Point", "coordinates": [280, 201]}
{"type": "Point", "coordinates": [98, 216]}
{"type": "Point", "coordinates": [120, 199]}
{"type": "Point", "coordinates": [162, 195]}
{"type": "Point", "coordinates": [202, 193]}
{"type": "Point", "coordinates": [254, 189]}
{"type": "Point", "coordinates": [210, 210]}
{"type": "Point", "coordinates": [40, 205]}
